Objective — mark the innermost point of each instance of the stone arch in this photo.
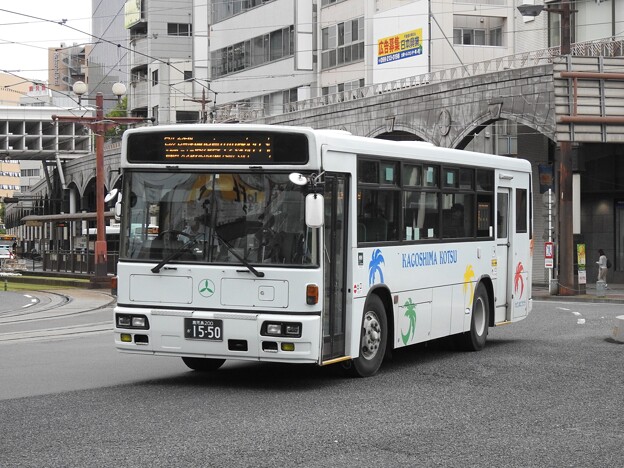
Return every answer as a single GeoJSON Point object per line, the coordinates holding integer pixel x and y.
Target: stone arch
{"type": "Point", "coordinates": [115, 181]}
{"type": "Point", "coordinates": [88, 197]}
{"type": "Point", "coordinates": [401, 131]}
{"type": "Point", "coordinates": [462, 139]}
{"type": "Point", "coordinates": [87, 177]}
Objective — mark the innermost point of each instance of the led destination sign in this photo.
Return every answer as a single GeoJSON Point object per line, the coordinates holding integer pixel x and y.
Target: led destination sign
{"type": "Point", "coordinates": [199, 147]}
{"type": "Point", "coordinates": [219, 147]}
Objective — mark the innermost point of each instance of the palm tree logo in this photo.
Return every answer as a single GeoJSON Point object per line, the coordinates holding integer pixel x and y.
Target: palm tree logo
{"type": "Point", "coordinates": [469, 277]}
{"type": "Point", "coordinates": [206, 288]}
{"type": "Point", "coordinates": [410, 313]}
{"type": "Point", "coordinates": [518, 279]}
{"type": "Point", "coordinates": [374, 267]}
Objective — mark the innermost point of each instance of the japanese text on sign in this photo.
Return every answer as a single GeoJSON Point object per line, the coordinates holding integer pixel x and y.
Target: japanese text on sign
{"type": "Point", "coordinates": [399, 46]}
{"type": "Point", "coordinates": [192, 147]}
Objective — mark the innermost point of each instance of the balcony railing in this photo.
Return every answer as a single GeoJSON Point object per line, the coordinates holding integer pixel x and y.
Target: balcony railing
{"type": "Point", "coordinates": [609, 47]}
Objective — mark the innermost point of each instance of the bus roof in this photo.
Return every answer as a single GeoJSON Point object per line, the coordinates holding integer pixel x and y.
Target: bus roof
{"type": "Point", "coordinates": [344, 141]}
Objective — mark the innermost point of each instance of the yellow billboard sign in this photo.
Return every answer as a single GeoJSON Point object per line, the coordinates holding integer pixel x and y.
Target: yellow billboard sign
{"type": "Point", "coordinates": [400, 46]}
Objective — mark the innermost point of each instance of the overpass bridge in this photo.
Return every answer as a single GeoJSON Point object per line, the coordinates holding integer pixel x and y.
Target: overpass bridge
{"type": "Point", "coordinates": [538, 89]}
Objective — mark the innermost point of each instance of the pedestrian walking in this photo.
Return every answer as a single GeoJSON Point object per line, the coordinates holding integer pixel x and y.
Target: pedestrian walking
{"type": "Point", "coordinates": [602, 267]}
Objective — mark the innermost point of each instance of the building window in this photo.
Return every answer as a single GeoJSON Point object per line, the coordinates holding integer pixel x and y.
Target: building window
{"type": "Point", "coordinates": [496, 37]}
{"type": "Point", "coordinates": [187, 116]}
{"type": "Point", "coordinates": [257, 51]}
{"type": "Point", "coordinates": [30, 173]}
{"type": "Point", "coordinates": [223, 9]}
{"type": "Point", "coordinates": [342, 43]}
{"type": "Point", "coordinates": [188, 75]}
{"type": "Point", "coordinates": [478, 30]}
{"type": "Point", "coordinates": [347, 86]}
{"type": "Point", "coordinates": [154, 77]}
{"type": "Point", "coordinates": [467, 36]}
{"type": "Point", "coordinates": [179, 29]}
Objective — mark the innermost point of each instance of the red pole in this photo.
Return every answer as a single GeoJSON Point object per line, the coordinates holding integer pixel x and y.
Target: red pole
{"type": "Point", "coordinates": [100, 243]}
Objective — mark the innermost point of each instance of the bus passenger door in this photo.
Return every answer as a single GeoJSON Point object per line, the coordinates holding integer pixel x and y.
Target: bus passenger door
{"type": "Point", "coordinates": [334, 260]}
{"type": "Point", "coordinates": [502, 305]}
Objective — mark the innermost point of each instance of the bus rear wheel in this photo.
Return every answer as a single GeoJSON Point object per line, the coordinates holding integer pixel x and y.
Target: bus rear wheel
{"type": "Point", "coordinates": [203, 364]}
{"type": "Point", "coordinates": [373, 339]}
{"type": "Point", "coordinates": [474, 340]}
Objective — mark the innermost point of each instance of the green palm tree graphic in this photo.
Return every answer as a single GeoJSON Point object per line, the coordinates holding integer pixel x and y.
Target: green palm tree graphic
{"type": "Point", "coordinates": [206, 288]}
{"type": "Point", "coordinates": [410, 313]}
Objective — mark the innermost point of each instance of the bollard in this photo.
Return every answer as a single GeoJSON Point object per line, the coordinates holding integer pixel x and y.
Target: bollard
{"type": "Point", "coordinates": [5, 284]}
{"type": "Point", "coordinates": [600, 288]}
{"type": "Point", "coordinates": [618, 329]}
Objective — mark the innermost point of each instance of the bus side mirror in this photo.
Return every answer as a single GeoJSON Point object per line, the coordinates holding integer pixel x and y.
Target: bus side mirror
{"type": "Point", "coordinates": [118, 208]}
{"type": "Point", "coordinates": [314, 210]}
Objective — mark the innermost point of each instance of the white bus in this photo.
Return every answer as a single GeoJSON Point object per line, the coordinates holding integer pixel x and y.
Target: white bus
{"type": "Point", "coordinates": [295, 245]}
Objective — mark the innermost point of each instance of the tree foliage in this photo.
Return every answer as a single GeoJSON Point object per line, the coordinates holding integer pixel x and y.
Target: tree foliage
{"type": "Point", "coordinates": [120, 110]}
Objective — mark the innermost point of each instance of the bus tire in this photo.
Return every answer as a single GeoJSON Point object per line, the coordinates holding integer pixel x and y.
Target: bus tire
{"type": "Point", "coordinates": [203, 364]}
{"type": "Point", "coordinates": [474, 340]}
{"type": "Point", "coordinates": [373, 339]}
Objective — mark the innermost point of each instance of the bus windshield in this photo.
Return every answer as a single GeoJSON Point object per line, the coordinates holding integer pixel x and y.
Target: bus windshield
{"type": "Point", "coordinates": [254, 218]}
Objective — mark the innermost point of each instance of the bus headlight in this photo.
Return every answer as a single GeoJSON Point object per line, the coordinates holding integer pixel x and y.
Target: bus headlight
{"type": "Point", "coordinates": [138, 322]}
{"type": "Point", "coordinates": [290, 329]}
{"type": "Point", "coordinates": [274, 329]}
{"type": "Point", "coordinates": [132, 321]}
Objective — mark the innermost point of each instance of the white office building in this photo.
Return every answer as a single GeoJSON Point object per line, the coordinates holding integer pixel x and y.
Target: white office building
{"type": "Point", "coordinates": [161, 66]}
{"type": "Point", "coordinates": [260, 55]}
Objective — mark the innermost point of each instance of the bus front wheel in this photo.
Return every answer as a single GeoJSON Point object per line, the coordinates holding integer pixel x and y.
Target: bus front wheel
{"type": "Point", "coordinates": [474, 340]}
{"type": "Point", "coordinates": [373, 339]}
{"type": "Point", "coordinates": [203, 364]}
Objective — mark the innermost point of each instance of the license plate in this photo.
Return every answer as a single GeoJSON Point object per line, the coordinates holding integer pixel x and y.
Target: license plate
{"type": "Point", "coordinates": [203, 329]}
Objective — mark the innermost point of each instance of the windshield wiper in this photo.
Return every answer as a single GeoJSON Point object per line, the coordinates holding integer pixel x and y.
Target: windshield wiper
{"type": "Point", "coordinates": [176, 253]}
{"type": "Point", "coordinates": [259, 274]}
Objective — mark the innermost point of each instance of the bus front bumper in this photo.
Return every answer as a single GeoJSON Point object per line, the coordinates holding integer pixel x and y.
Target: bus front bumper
{"type": "Point", "coordinates": [241, 336]}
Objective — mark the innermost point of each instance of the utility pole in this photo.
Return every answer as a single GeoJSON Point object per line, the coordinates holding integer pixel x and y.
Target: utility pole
{"type": "Point", "coordinates": [566, 233]}
{"type": "Point", "coordinates": [203, 101]}
{"type": "Point", "coordinates": [99, 125]}
{"type": "Point", "coordinates": [563, 161]}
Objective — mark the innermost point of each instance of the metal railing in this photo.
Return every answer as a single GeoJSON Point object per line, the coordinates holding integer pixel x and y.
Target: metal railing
{"type": "Point", "coordinates": [608, 47]}
{"type": "Point", "coordinates": [76, 261]}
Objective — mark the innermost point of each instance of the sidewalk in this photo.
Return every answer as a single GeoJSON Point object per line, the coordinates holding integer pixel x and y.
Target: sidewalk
{"type": "Point", "coordinates": [614, 294]}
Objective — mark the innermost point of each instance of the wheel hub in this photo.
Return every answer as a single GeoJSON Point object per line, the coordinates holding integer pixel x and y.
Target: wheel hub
{"type": "Point", "coordinates": [371, 338]}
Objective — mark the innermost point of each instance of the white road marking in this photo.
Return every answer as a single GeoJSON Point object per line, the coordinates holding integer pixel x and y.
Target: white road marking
{"type": "Point", "coordinates": [576, 313]}
{"type": "Point", "coordinates": [580, 322]}
{"type": "Point", "coordinates": [562, 308]}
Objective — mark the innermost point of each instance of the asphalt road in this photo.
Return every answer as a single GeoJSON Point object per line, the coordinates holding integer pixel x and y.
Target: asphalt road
{"type": "Point", "coordinates": [544, 392]}
{"type": "Point", "coordinates": [11, 301]}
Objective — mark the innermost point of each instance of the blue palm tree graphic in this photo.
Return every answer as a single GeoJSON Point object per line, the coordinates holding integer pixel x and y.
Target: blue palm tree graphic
{"type": "Point", "coordinates": [374, 267]}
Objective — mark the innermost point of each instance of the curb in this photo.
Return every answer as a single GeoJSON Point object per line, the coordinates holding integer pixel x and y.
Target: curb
{"type": "Point", "coordinates": [47, 281]}
{"type": "Point", "coordinates": [584, 298]}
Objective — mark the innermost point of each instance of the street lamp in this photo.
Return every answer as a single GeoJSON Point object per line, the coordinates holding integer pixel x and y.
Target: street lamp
{"type": "Point", "coordinates": [566, 233]}
{"type": "Point", "coordinates": [99, 125]}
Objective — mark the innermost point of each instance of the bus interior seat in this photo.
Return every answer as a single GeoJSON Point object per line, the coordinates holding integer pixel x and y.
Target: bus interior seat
{"type": "Point", "coordinates": [290, 249]}
{"type": "Point", "coordinates": [376, 229]}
